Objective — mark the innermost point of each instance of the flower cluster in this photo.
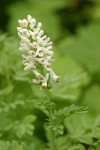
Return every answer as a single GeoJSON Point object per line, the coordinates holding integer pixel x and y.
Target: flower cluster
{"type": "Point", "coordinates": [37, 51]}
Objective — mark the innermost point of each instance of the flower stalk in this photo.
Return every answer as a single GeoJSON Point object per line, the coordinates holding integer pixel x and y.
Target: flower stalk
{"type": "Point", "coordinates": [52, 136]}
{"type": "Point", "coordinates": [37, 55]}
{"type": "Point", "coordinates": [51, 132]}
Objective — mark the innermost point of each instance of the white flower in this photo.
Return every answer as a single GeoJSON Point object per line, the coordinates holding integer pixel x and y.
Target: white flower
{"type": "Point", "coordinates": [54, 76]}
{"type": "Point", "coordinates": [37, 51]}
{"type": "Point", "coordinates": [45, 81]}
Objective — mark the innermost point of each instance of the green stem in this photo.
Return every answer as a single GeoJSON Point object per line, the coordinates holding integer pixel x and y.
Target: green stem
{"type": "Point", "coordinates": [52, 136]}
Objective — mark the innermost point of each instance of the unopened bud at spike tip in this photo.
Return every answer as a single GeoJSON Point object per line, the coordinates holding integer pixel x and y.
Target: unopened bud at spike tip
{"type": "Point", "coordinates": [29, 18]}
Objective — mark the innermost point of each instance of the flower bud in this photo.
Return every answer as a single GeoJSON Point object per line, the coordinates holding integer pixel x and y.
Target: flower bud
{"type": "Point", "coordinates": [25, 23]}
{"type": "Point", "coordinates": [39, 25]}
{"type": "Point", "coordinates": [32, 23]}
{"type": "Point", "coordinates": [20, 23]}
{"type": "Point", "coordinates": [29, 18]}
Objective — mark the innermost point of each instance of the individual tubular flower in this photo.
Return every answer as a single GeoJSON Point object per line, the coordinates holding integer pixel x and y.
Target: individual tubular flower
{"type": "Point", "coordinates": [37, 51]}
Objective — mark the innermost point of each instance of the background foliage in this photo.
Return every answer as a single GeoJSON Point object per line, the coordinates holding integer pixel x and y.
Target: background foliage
{"type": "Point", "coordinates": [74, 26]}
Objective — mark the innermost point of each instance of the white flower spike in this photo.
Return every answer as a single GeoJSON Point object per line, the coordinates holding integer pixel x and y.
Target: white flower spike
{"type": "Point", "coordinates": [37, 51]}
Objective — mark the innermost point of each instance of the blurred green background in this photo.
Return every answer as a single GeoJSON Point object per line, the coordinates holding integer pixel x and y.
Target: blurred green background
{"type": "Point", "coordinates": [74, 28]}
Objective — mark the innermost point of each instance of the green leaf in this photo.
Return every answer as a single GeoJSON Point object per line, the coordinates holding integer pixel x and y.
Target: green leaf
{"type": "Point", "coordinates": [15, 146]}
{"type": "Point", "coordinates": [81, 147]}
{"type": "Point", "coordinates": [67, 111]}
{"type": "Point", "coordinates": [60, 129]}
{"type": "Point", "coordinates": [69, 87]}
{"type": "Point", "coordinates": [86, 139]}
{"type": "Point", "coordinates": [92, 95]}
{"type": "Point", "coordinates": [98, 146]}
{"type": "Point", "coordinates": [84, 47]}
{"type": "Point", "coordinates": [60, 115]}
{"type": "Point", "coordinates": [6, 90]}
{"type": "Point", "coordinates": [84, 133]}
{"type": "Point", "coordinates": [73, 78]}
{"type": "Point", "coordinates": [4, 145]}
{"type": "Point", "coordinates": [77, 147]}
{"type": "Point", "coordinates": [91, 148]}
{"type": "Point", "coordinates": [24, 126]}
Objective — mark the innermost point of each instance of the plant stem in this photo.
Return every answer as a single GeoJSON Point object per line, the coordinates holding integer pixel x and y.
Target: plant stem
{"type": "Point", "coordinates": [52, 137]}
